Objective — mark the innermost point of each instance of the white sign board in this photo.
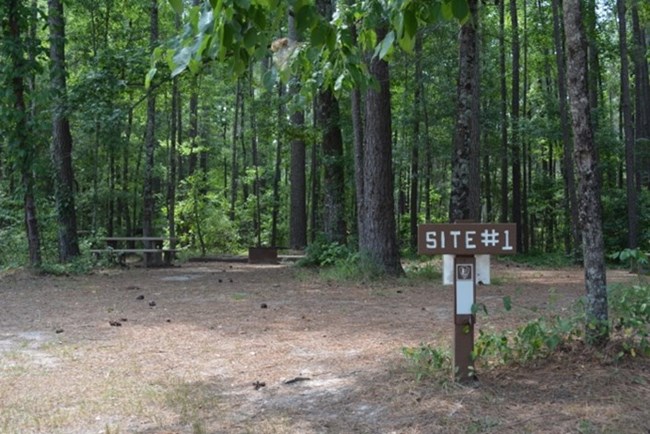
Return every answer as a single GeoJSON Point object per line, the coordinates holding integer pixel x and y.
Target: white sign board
{"type": "Point", "coordinates": [482, 269]}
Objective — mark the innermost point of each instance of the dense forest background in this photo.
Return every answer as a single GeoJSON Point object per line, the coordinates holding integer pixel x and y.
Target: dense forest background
{"type": "Point", "coordinates": [254, 149]}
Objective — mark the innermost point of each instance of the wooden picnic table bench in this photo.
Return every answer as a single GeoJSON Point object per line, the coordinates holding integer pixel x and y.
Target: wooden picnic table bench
{"type": "Point", "coordinates": [152, 249]}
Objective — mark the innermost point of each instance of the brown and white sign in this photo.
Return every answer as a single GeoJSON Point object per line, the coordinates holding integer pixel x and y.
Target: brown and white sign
{"type": "Point", "coordinates": [467, 238]}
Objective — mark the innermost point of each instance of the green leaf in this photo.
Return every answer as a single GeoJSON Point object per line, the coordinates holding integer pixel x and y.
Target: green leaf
{"type": "Point", "coordinates": [206, 22]}
{"type": "Point", "coordinates": [507, 303]}
{"type": "Point", "coordinates": [181, 60]}
{"type": "Point", "coordinates": [318, 36]}
{"type": "Point", "coordinates": [410, 23]}
{"type": "Point", "coordinates": [177, 5]}
{"type": "Point", "coordinates": [446, 11]}
{"type": "Point", "coordinates": [268, 80]}
{"type": "Point", "coordinates": [385, 45]}
{"type": "Point", "coordinates": [460, 9]}
{"type": "Point", "coordinates": [149, 77]}
{"type": "Point", "coordinates": [434, 12]}
{"type": "Point", "coordinates": [194, 66]}
{"type": "Point", "coordinates": [205, 42]}
{"type": "Point", "coordinates": [244, 4]}
{"type": "Point", "coordinates": [250, 38]}
{"type": "Point", "coordinates": [194, 18]}
{"type": "Point", "coordinates": [407, 43]}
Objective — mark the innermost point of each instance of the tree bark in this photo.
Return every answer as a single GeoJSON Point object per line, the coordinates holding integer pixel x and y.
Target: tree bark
{"type": "Point", "coordinates": [642, 96]}
{"type": "Point", "coordinates": [465, 179]}
{"type": "Point", "coordinates": [171, 161]}
{"type": "Point", "coordinates": [234, 164]}
{"type": "Point", "coordinates": [275, 214]}
{"type": "Point", "coordinates": [148, 209]}
{"type": "Point", "coordinates": [504, 114]}
{"type": "Point", "coordinates": [193, 131]}
{"type": "Point", "coordinates": [334, 186]}
{"type": "Point", "coordinates": [61, 147]}
{"type": "Point", "coordinates": [298, 178]}
{"type": "Point", "coordinates": [20, 136]}
{"type": "Point", "coordinates": [329, 122]}
{"type": "Point", "coordinates": [514, 136]}
{"type": "Point", "coordinates": [417, 143]}
{"type": "Point", "coordinates": [628, 134]}
{"type": "Point", "coordinates": [586, 160]}
{"type": "Point", "coordinates": [356, 107]}
{"type": "Point", "coordinates": [257, 219]}
{"type": "Point", "coordinates": [567, 144]}
{"type": "Point", "coordinates": [591, 19]}
{"type": "Point", "coordinates": [379, 242]}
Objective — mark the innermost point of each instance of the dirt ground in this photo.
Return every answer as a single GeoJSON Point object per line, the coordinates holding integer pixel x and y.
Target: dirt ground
{"type": "Point", "coordinates": [229, 347]}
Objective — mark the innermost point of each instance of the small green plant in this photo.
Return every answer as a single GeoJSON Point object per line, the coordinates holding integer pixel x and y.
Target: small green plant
{"type": "Point", "coordinates": [536, 339]}
{"type": "Point", "coordinates": [80, 265]}
{"type": "Point", "coordinates": [425, 271]}
{"type": "Point", "coordinates": [636, 258]}
{"type": "Point", "coordinates": [428, 362]}
{"type": "Point", "coordinates": [320, 253]}
{"type": "Point", "coordinates": [630, 313]}
{"type": "Point", "coordinates": [339, 262]}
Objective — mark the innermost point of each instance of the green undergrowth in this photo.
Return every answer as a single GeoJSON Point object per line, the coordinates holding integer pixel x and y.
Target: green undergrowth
{"type": "Point", "coordinates": [544, 336]}
{"type": "Point", "coordinates": [335, 261]}
{"type": "Point", "coordinates": [540, 260]}
{"type": "Point", "coordinates": [339, 262]}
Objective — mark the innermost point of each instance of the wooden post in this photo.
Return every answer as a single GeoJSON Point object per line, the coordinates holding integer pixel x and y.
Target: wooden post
{"type": "Point", "coordinates": [465, 240]}
{"type": "Point", "coordinates": [464, 319]}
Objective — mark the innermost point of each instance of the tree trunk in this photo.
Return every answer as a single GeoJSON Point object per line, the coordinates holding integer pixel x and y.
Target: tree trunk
{"type": "Point", "coordinates": [428, 159]}
{"type": "Point", "coordinates": [19, 136]}
{"type": "Point", "coordinates": [193, 127]}
{"type": "Point", "coordinates": [123, 201]}
{"type": "Point", "coordinates": [234, 164]}
{"type": "Point", "coordinates": [329, 121]}
{"type": "Point", "coordinates": [465, 179]}
{"type": "Point", "coordinates": [642, 97]}
{"type": "Point", "coordinates": [567, 145]}
{"type": "Point", "coordinates": [333, 169]}
{"type": "Point", "coordinates": [628, 134]}
{"type": "Point", "coordinates": [171, 161]}
{"type": "Point", "coordinates": [515, 138]}
{"type": "Point", "coordinates": [590, 207]}
{"type": "Point", "coordinates": [356, 107]}
{"type": "Point", "coordinates": [417, 143]}
{"type": "Point", "coordinates": [504, 114]}
{"type": "Point", "coordinates": [148, 210]}
{"type": "Point", "coordinates": [257, 218]}
{"type": "Point", "coordinates": [379, 243]}
{"type": "Point", "coordinates": [591, 19]}
{"type": "Point", "coordinates": [61, 148]}
{"type": "Point", "coordinates": [298, 203]}
{"type": "Point", "coordinates": [313, 201]}
{"type": "Point", "coordinates": [275, 214]}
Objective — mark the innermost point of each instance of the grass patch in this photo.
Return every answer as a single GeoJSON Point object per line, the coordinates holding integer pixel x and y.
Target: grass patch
{"type": "Point", "coordinates": [428, 362]}
{"type": "Point", "coordinates": [194, 403]}
{"type": "Point", "coordinates": [426, 271]}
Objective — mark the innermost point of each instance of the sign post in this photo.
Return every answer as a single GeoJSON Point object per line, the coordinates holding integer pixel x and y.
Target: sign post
{"type": "Point", "coordinates": [465, 240]}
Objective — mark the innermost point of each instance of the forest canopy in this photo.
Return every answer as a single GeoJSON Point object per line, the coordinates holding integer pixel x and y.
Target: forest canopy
{"type": "Point", "coordinates": [228, 124]}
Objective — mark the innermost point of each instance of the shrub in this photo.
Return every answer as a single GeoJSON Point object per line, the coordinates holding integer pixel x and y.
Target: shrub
{"type": "Point", "coordinates": [630, 315]}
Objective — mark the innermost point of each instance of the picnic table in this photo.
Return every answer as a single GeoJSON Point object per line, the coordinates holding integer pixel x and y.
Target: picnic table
{"type": "Point", "coordinates": [151, 249]}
